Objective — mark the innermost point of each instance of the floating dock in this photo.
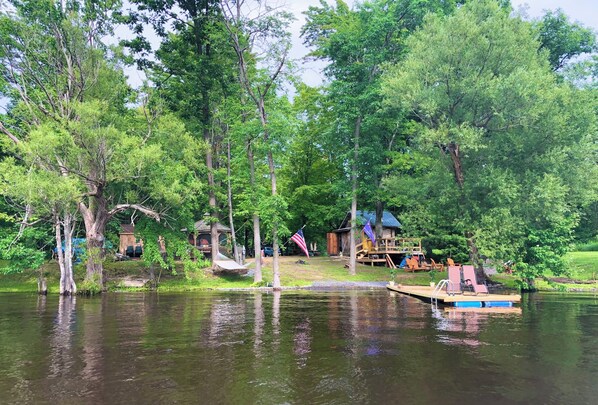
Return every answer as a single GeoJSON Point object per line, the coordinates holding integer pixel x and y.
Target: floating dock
{"type": "Point", "coordinates": [466, 300]}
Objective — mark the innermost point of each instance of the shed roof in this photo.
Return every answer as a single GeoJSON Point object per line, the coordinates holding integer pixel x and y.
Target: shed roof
{"type": "Point", "coordinates": [388, 220]}
{"type": "Point", "coordinates": [204, 226]}
{"type": "Point", "coordinates": [127, 228]}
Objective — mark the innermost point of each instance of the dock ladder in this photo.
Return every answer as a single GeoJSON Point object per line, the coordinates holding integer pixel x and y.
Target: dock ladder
{"type": "Point", "coordinates": [441, 284]}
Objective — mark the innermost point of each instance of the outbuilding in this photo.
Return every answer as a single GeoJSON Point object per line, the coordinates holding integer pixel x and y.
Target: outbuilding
{"type": "Point", "coordinates": [202, 239]}
{"type": "Point", "coordinates": [338, 241]}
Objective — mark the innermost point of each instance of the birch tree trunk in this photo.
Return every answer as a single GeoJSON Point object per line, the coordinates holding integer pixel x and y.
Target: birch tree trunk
{"type": "Point", "coordinates": [59, 251]}
{"type": "Point", "coordinates": [257, 239]}
{"type": "Point", "coordinates": [257, 91]}
{"type": "Point", "coordinates": [67, 279]}
{"type": "Point", "coordinates": [214, 242]}
{"type": "Point", "coordinates": [64, 227]}
{"type": "Point", "coordinates": [230, 207]}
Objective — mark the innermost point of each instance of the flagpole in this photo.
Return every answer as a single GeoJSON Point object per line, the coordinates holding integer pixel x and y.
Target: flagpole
{"type": "Point", "coordinates": [302, 237]}
{"type": "Point", "coordinates": [288, 240]}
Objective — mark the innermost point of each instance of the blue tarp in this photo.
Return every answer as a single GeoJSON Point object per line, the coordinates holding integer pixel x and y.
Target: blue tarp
{"type": "Point", "coordinates": [79, 247]}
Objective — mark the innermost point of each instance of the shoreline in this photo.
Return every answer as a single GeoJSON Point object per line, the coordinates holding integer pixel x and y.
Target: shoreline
{"type": "Point", "coordinates": [319, 273]}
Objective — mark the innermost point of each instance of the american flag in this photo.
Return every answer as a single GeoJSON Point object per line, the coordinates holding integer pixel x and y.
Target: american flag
{"type": "Point", "coordinates": [300, 241]}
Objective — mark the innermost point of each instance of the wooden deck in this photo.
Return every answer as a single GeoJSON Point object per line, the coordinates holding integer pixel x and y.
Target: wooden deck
{"type": "Point", "coordinates": [369, 253]}
{"type": "Point", "coordinates": [425, 292]}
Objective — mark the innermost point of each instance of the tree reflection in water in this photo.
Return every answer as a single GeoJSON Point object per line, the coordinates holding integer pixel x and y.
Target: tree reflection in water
{"type": "Point", "coordinates": [332, 347]}
{"type": "Point", "coordinates": [61, 342]}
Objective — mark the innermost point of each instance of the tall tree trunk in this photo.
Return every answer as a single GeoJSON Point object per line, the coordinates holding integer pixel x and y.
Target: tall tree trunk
{"type": "Point", "coordinates": [95, 217]}
{"type": "Point", "coordinates": [352, 234]}
{"type": "Point", "coordinates": [66, 280]}
{"type": "Point", "coordinates": [258, 95]}
{"type": "Point", "coordinates": [64, 228]}
{"type": "Point", "coordinates": [95, 255]}
{"type": "Point", "coordinates": [379, 214]}
{"type": "Point", "coordinates": [275, 260]}
{"type": "Point", "coordinates": [453, 150]}
{"type": "Point", "coordinates": [474, 255]}
{"type": "Point", "coordinates": [271, 167]}
{"type": "Point", "coordinates": [59, 251]}
{"type": "Point", "coordinates": [257, 240]}
{"type": "Point", "coordinates": [214, 242]}
{"type": "Point", "coordinates": [230, 206]}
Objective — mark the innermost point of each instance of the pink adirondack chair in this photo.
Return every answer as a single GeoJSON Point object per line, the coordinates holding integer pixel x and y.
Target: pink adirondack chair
{"type": "Point", "coordinates": [470, 280]}
{"type": "Point", "coordinates": [454, 276]}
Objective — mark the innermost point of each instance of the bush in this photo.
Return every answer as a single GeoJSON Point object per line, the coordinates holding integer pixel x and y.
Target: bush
{"type": "Point", "coordinates": [90, 287]}
{"type": "Point", "coordinates": [587, 247]}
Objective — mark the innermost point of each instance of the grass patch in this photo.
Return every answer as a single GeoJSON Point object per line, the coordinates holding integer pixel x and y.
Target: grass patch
{"type": "Point", "coordinates": [583, 265]}
{"type": "Point", "coordinates": [292, 274]}
{"type": "Point", "coordinates": [26, 281]}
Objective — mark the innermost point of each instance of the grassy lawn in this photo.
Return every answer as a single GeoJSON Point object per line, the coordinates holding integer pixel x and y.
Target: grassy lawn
{"type": "Point", "coordinates": [292, 274]}
{"type": "Point", "coordinates": [584, 267]}
{"type": "Point", "coordinates": [27, 280]}
{"type": "Point", "coordinates": [582, 275]}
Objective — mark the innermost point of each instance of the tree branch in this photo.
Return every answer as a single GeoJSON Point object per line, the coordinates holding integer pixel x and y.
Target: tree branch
{"type": "Point", "coordinates": [12, 137]}
{"type": "Point", "coordinates": [122, 207]}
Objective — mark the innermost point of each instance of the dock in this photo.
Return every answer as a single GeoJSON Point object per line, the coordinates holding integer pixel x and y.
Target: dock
{"type": "Point", "coordinates": [458, 300]}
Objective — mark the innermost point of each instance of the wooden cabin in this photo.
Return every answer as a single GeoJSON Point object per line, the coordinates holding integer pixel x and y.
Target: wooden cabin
{"type": "Point", "coordinates": [129, 245]}
{"type": "Point", "coordinates": [201, 238]}
{"type": "Point", "coordinates": [388, 248]}
{"type": "Point", "coordinates": [339, 240]}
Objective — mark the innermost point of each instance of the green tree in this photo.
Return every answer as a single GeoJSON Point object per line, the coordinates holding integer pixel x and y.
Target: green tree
{"type": "Point", "coordinates": [483, 95]}
{"type": "Point", "coordinates": [70, 115]}
{"type": "Point", "coordinates": [562, 39]}
{"type": "Point", "coordinates": [357, 43]}
{"type": "Point", "coordinates": [311, 168]}
{"type": "Point", "coordinates": [194, 73]}
{"type": "Point", "coordinates": [45, 195]}
{"type": "Point", "coordinates": [262, 43]}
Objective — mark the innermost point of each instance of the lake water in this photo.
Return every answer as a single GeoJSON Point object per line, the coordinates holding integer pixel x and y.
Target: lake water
{"type": "Point", "coordinates": [296, 347]}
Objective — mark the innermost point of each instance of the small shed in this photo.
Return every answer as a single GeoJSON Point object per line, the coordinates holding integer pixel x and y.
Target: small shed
{"type": "Point", "coordinates": [129, 245]}
{"type": "Point", "coordinates": [339, 240]}
{"type": "Point", "coordinates": [202, 239]}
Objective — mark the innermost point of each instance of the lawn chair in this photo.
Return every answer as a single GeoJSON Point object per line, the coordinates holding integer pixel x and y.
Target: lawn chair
{"type": "Point", "coordinates": [470, 280]}
{"type": "Point", "coordinates": [451, 262]}
{"type": "Point", "coordinates": [436, 266]}
{"type": "Point", "coordinates": [413, 265]}
{"type": "Point", "coordinates": [454, 276]}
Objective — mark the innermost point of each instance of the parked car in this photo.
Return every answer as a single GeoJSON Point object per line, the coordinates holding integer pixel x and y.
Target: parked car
{"type": "Point", "coordinates": [269, 251]}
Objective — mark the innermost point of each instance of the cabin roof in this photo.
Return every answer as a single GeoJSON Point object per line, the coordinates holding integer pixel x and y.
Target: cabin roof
{"type": "Point", "coordinates": [127, 228]}
{"type": "Point", "coordinates": [204, 226]}
{"type": "Point", "coordinates": [388, 220]}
